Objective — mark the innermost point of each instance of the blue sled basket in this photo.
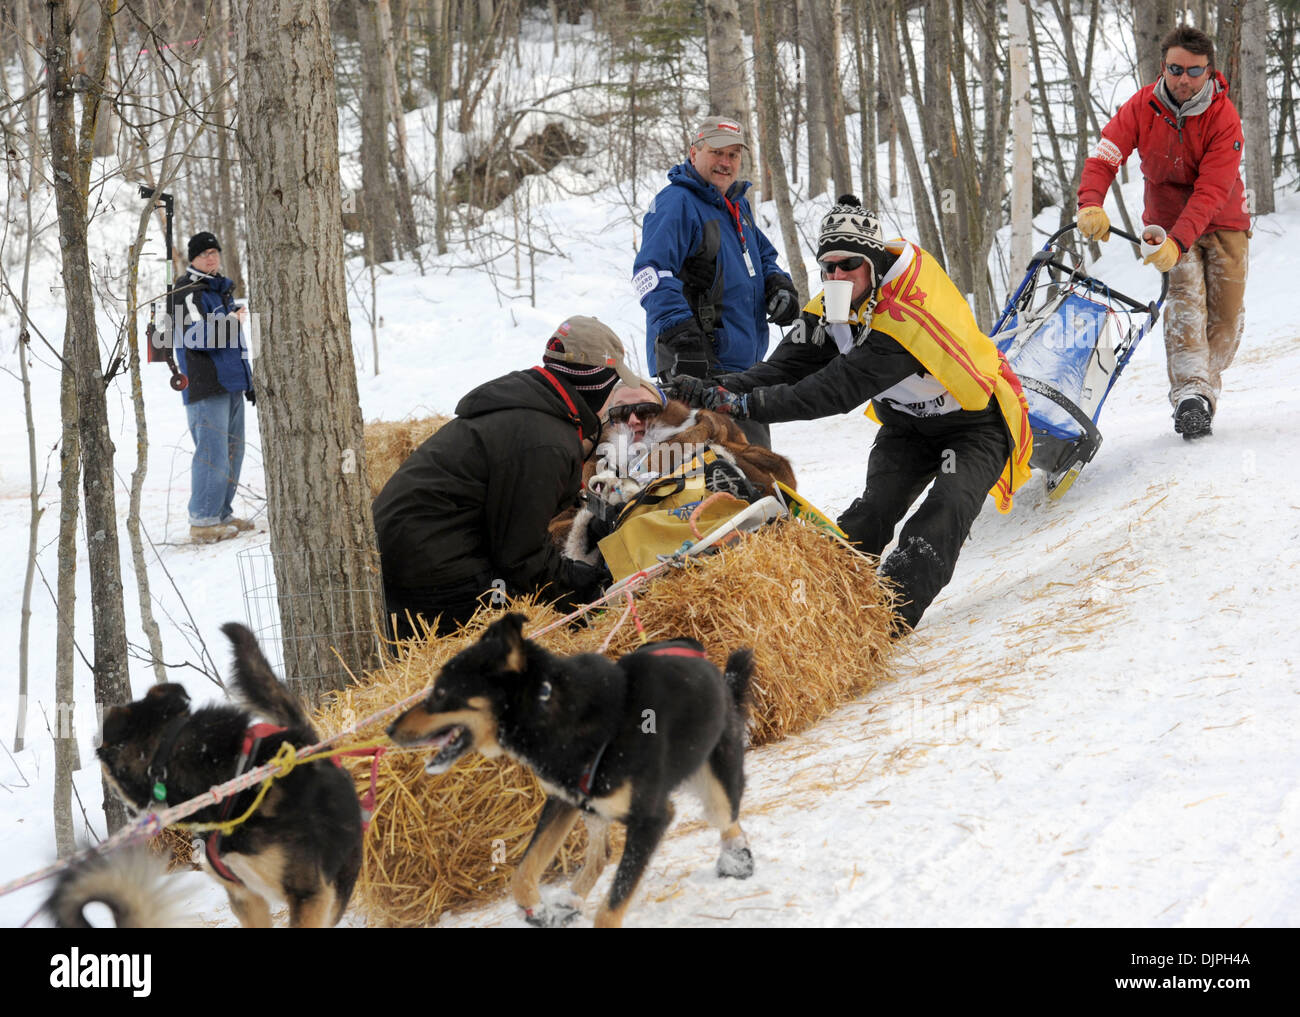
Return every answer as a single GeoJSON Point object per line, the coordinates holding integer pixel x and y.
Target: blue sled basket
{"type": "Point", "coordinates": [1068, 336]}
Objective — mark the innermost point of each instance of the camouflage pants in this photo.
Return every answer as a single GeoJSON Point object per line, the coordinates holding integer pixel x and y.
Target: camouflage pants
{"type": "Point", "coordinates": [1204, 314]}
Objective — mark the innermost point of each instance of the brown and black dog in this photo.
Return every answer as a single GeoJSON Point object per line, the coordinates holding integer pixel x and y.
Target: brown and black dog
{"type": "Point", "coordinates": [612, 740]}
{"type": "Point", "coordinates": [302, 845]}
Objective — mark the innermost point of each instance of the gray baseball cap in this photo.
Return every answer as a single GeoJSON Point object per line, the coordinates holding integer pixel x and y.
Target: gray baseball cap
{"type": "Point", "coordinates": [720, 132]}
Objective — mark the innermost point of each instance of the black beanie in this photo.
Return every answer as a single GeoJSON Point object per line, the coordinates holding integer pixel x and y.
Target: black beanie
{"type": "Point", "coordinates": [201, 242]}
{"type": "Point", "coordinates": [849, 229]}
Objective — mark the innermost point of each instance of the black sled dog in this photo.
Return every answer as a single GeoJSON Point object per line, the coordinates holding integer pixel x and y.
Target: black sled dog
{"type": "Point", "coordinates": [302, 845]}
{"type": "Point", "coordinates": [610, 739]}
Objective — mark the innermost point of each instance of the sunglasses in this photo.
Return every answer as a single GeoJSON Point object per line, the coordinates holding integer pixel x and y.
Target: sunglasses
{"type": "Point", "coordinates": [622, 413]}
{"type": "Point", "coordinates": [1178, 70]}
{"type": "Point", "coordinates": [844, 265]}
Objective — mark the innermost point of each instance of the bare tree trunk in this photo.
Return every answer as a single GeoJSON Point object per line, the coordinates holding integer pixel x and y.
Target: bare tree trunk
{"type": "Point", "coordinates": [227, 213]}
{"type": "Point", "coordinates": [112, 681]}
{"type": "Point", "coordinates": [1227, 44]}
{"type": "Point", "coordinates": [401, 176]}
{"type": "Point", "coordinates": [1068, 198]}
{"type": "Point", "coordinates": [26, 44]}
{"type": "Point", "coordinates": [889, 50]}
{"type": "Point", "coordinates": [826, 18]}
{"type": "Point", "coordinates": [728, 96]}
{"type": "Point", "coordinates": [442, 22]}
{"type": "Point", "coordinates": [66, 761]}
{"type": "Point", "coordinates": [1252, 104]}
{"type": "Point", "coordinates": [1152, 21]}
{"type": "Point", "coordinates": [819, 165]}
{"type": "Point", "coordinates": [864, 54]}
{"type": "Point", "coordinates": [769, 126]}
{"type": "Point", "coordinates": [377, 206]}
{"type": "Point", "coordinates": [1022, 135]}
{"type": "Point", "coordinates": [147, 620]}
{"type": "Point", "coordinates": [322, 533]}
{"type": "Point", "coordinates": [1083, 111]}
{"type": "Point", "coordinates": [1286, 50]}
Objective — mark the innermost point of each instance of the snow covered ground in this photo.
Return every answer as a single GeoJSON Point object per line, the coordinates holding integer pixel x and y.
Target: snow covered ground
{"type": "Point", "coordinates": [1094, 725]}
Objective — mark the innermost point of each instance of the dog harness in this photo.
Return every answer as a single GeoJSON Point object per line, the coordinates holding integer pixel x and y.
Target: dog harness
{"type": "Point", "coordinates": [253, 737]}
{"type": "Point", "coordinates": [588, 775]}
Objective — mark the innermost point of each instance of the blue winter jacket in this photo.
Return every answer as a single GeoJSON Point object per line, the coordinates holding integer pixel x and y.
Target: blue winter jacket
{"type": "Point", "coordinates": [672, 230]}
{"type": "Point", "coordinates": [212, 351]}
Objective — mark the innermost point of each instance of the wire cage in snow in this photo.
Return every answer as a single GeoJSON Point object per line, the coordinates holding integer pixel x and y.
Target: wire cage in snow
{"type": "Point", "coordinates": [300, 630]}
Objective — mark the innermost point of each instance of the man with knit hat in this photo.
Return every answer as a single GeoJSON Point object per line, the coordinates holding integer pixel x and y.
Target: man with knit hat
{"type": "Point", "coordinates": [706, 275]}
{"type": "Point", "coordinates": [467, 513]}
{"type": "Point", "coordinates": [950, 408]}
{"type": "Point", "coordinates": [212, 352]}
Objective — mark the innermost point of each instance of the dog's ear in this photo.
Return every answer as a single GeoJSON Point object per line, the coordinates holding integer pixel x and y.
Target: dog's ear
{"type": "Point", "coordinates": [509, 631]}
{"type": "Point", "coordinates": [167, 699]}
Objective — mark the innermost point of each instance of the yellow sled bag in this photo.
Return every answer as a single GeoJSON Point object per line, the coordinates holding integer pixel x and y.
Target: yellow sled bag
{"type": "Point", "coordinates": [637, 543]}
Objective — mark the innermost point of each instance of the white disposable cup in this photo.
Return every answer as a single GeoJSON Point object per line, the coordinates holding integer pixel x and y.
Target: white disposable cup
{"type": "Point", "coordinates": [1153, 238]}
{"type": "Point", "coordinates": [837, 295]}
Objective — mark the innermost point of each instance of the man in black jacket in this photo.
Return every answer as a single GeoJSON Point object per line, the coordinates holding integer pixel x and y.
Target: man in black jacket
{"type": "Point", "coordinates": [467, 513]}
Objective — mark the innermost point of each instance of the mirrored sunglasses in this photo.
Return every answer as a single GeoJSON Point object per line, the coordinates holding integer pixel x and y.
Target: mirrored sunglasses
{"type": "Point", "coordinates": [844, 265]}
{"type": "Point", "coordinates": [1178, 70]}
{"type": "Point", "coordinates": [622, 413]}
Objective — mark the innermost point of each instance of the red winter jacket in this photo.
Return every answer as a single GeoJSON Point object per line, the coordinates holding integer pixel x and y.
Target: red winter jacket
{"type": "Point", "coordinates": [1193, 183]}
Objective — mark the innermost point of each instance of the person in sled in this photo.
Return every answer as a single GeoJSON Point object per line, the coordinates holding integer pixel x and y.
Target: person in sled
{"type": "Point", "coordinates": [1189, 136]}
{"type": "Point", "coordinates": [950, 408]}
{"type": "Point", "coordinates": [467, 512]}
{"type": "Point", "coordinates": [706, 275]}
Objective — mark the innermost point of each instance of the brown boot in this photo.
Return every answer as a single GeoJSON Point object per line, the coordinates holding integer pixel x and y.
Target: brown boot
{"type": "Point", "coordinates": [212, 534]}
{"type": "Point", "coordinates": [242, 525]}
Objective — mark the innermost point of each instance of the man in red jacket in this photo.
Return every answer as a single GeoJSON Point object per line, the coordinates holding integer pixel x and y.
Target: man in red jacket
{"type": "Point", "coordinates": [1188, 134]}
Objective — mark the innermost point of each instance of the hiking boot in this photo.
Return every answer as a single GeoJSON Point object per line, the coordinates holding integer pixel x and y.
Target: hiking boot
{"type": "Point", "coordinates": [211, 534]}
{"type": "Point", "coordinates": [242, 525]}
{"type": "Point", "coordinates": [1192, 418]}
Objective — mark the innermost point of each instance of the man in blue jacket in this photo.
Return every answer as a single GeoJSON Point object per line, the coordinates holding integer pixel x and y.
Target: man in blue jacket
{"type": "Point", "coordinates": [706, 276]}
{"type": "Point", "coordinates": [212, 352]}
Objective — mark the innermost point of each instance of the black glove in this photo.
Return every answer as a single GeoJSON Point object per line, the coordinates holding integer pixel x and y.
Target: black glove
{"type": "Point", "coordinates": [586, 581]}
{"type": "Point", "coordinates": [689, 390]}
{"type": "Point", "coordinates": [782, 300]}
{"type": "Point", "coordinates": [682, 349]}
{"type": "Point", "coordinates": [698, 273]}
{"type": "Point", "coordinates": [251, 396]}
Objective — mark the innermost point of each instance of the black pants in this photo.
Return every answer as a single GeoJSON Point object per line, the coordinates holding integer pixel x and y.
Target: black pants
{"type": "Point", "coordinates": [964, 454]}
{"type": "Point", "coordinates": [452, 606]}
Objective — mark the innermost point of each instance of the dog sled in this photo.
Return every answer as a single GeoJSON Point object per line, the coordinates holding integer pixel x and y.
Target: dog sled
{"type": "Point", "coordinates": [1069, 336]}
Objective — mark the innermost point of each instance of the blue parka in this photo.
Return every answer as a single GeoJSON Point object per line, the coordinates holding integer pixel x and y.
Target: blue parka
{"type": "Point", "coordinates": [212, 351]}
{"type": "Point", "coordinates": [672, 230]}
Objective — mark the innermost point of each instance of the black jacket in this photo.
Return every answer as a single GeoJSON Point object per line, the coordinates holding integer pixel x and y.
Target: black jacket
{"type": "Point", "coordinates": [806, 381]}
{"type": "Point", "coordinates": [473, 502]}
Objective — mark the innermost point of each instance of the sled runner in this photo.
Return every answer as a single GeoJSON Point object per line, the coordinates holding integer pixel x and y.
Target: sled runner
{"type": "Point", "coordinates": [1068, 336]}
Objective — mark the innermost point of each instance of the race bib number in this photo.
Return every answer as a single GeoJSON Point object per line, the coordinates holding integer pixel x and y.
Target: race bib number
{"type": "Point", "coordinates": [1108, 152]}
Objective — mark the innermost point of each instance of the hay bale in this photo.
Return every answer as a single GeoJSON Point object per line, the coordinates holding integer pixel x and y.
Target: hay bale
{"type": "Point", "coordinates": [388, 443]}
{"type": "Point", "coordinates": [813, 612]}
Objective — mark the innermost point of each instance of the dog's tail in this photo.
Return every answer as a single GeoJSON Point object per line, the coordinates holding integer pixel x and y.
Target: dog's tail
{"type": "Point", "coordinates": [257, 686]}
{"type": "Point", "coordinates": [739, 672]}
{"type": "Point", "coordinates": [133, 884]}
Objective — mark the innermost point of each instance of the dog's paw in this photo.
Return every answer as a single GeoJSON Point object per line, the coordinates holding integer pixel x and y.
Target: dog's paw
{"type": "Point", "coordinates": [736, 863]}
{"type": "Point", "coordinates": [551, 916]}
